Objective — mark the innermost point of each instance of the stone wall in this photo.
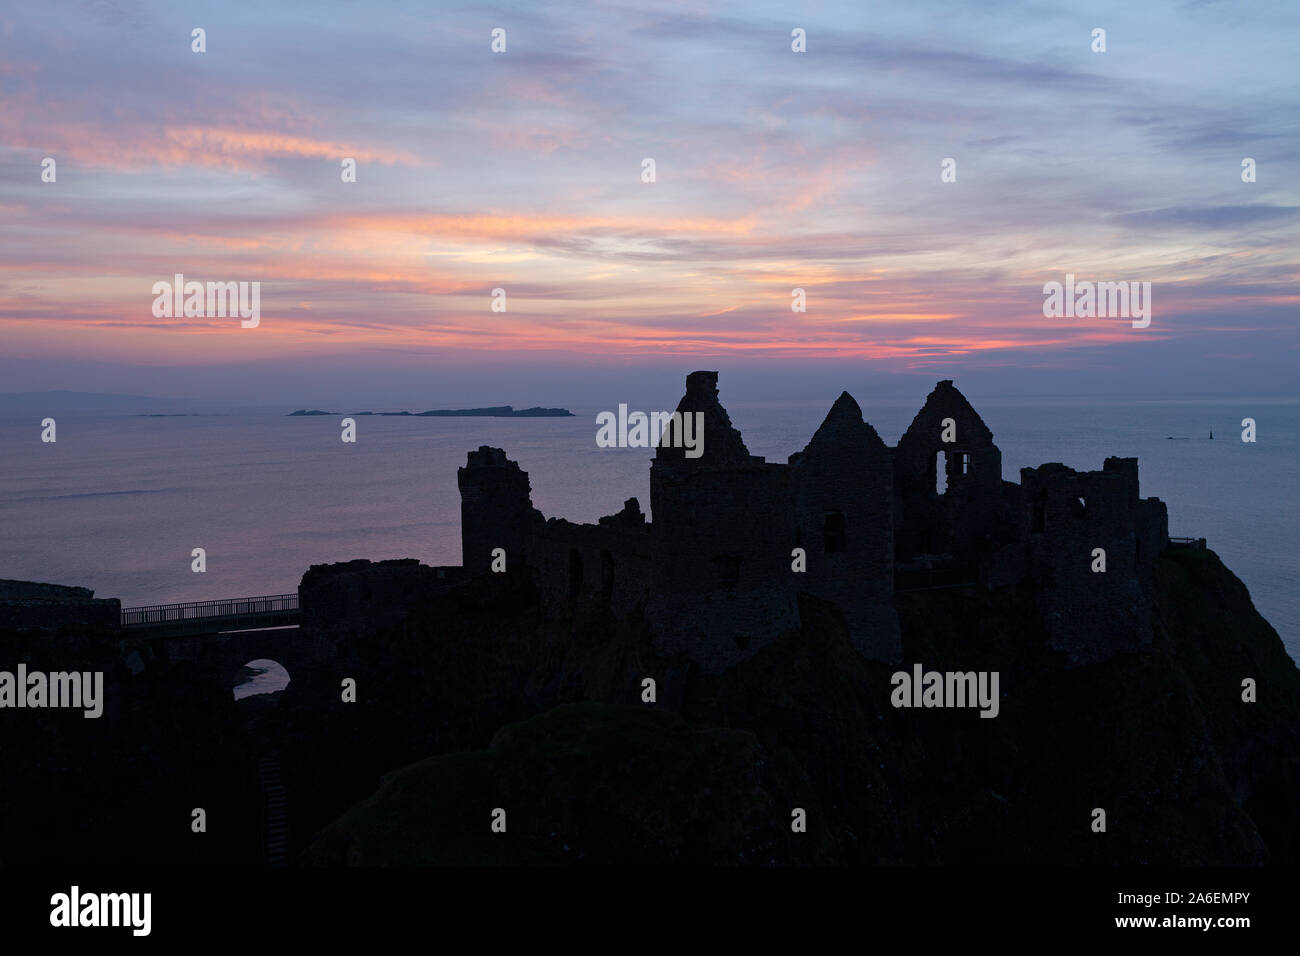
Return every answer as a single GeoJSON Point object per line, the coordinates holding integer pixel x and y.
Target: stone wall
{"type": "Point", "coordinates": [354, 599]}
{"type": "Point", "coordinates": [575, 564]}
{"type": "Point", "coordinates": [1149, 516]}
{"type": "Point", "coordinates": [722, 537]}
{"type": "Point", "coordinates": [1090, 615]}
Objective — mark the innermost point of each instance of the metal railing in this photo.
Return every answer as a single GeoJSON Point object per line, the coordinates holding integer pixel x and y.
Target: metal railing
{"type": "Point", "coordinates": [208, 610]}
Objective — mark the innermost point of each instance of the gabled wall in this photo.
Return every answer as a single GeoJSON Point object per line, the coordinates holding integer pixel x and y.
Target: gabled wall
{"type": "Point", "coordinates": [843, 503]}
{"type": "Point", "coordinates": [966, 521]}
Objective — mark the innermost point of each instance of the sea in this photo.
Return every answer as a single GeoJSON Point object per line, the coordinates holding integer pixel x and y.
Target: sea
{"type": "Point", "coordinates": [120, 501]}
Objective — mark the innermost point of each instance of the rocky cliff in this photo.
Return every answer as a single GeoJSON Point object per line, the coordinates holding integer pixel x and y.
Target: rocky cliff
{"type": "Point", "coordinates": [544, 717]}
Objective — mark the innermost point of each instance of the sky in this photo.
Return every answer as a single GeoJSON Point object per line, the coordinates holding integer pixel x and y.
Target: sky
{"type": "Point", "coordinates": [523, 170]}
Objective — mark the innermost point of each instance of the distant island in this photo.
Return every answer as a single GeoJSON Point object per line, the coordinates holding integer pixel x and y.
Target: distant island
{"type": "Point", "coordinates": [496, 411]}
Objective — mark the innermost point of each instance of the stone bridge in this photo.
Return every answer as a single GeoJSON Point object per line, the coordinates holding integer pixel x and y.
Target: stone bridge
{"type": "Point", "coordinates": [223, 635]}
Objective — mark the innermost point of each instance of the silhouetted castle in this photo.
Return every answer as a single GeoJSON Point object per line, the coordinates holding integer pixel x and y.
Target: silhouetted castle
{"type": "Point", "coordinates": [715, 572]}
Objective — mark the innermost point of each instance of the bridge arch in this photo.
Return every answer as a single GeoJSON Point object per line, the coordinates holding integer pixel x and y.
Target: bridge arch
{"type": "Point", "coordinates": [260, 677]}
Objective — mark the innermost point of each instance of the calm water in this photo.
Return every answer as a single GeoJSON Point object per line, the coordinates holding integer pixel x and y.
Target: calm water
{"type": "Point", "coordinates": [270, 677]}
{"type": "Point", "coordinates": [119, 502]}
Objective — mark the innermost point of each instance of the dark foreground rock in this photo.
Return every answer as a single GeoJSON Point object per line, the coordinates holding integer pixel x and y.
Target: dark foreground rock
{"type": "Point", "coordinates": [1159, 738]}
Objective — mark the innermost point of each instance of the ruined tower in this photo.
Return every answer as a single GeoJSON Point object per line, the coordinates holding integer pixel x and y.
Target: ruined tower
{"type": "Point", "coordinates": [1075, 524]}
{"type": "Point", "coordinates": [496, 509]}
{"type": "Point", "coordinates": [721, 538]}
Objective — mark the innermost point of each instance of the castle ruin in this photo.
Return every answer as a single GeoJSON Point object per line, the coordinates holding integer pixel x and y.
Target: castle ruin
{"type": "Point", "coordinates": [717, 573]}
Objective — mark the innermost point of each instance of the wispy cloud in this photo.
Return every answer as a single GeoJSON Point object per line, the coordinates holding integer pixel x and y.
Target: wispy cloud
{"type": "Point", "coordinates": [523, 171]}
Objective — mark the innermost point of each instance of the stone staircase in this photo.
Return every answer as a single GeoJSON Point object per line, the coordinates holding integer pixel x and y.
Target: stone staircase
{"type": "Point", "coordinates": [275, 814]}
